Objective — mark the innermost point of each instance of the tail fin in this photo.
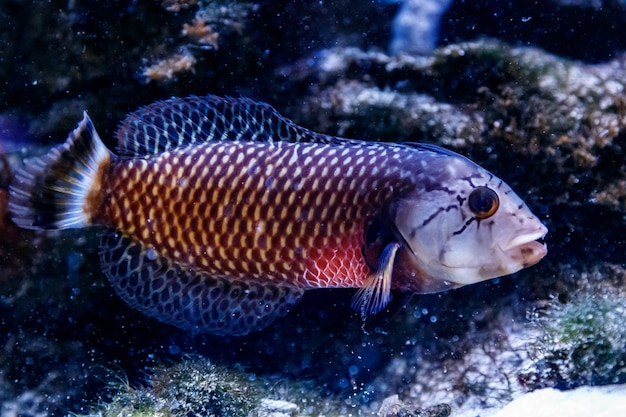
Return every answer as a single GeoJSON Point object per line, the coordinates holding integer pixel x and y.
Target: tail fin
{"type": "Point", "coordinates": [62, 189]}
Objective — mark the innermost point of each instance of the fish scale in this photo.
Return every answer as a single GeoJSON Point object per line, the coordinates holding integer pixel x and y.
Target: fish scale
{"type": "Point", "coordinates": [217, 214]}
{"type": "Point", "coordinates": [252, 223]}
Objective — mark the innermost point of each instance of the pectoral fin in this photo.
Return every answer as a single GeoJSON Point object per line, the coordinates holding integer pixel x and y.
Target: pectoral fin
{"type": "Point", "coordinates": [376, 293]}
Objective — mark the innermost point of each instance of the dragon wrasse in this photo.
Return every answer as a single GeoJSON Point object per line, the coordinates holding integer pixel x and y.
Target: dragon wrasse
{"type": "Point", "coordinates": [218, 213]}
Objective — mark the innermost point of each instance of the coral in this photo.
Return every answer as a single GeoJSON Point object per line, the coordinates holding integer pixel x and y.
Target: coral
{"type": "Point", "coordinates": [201, 33]}
{"type": "Point", "coordinates": [177, 5]}
{"type": "Point", "coordinates": [229, 15]}
{"type": "Point", "coordinates": [166, 69]}
{"type": "Point", "coordinates": [215, 17]}
{"type": "Point", "coordinates": [212, 19]}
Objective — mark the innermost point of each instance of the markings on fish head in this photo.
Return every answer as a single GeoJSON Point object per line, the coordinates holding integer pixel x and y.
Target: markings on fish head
{"type": "Point", "coordinates": [437, 211]}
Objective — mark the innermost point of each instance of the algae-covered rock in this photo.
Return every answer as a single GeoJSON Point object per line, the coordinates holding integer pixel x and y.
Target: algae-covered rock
{"type": "Point", "coordinates": [198, 387]}
{"type": "Point", "coordinates": [583, 339]}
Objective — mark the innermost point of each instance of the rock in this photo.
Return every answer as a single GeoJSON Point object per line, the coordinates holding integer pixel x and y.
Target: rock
{"type": "Point", "coordinates": [276, 408]}
{"type": "Point", "coordinates": [393, 407]}
{"type": "Point", "coordinates": [600, 401]}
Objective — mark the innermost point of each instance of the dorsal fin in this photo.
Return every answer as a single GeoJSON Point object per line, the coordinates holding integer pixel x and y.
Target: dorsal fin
{"type": "Point", "coordinates": [180, 122]}
{"type": "Point", "coordinates": [430, 147]}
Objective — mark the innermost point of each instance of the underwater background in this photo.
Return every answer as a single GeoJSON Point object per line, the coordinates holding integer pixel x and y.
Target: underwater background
{"type": "Point", "coordinates": [532, 91]}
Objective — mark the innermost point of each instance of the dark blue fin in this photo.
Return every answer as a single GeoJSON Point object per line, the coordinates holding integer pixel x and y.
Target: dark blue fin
{"type": "Point", "coordinates": [180, 122]}
{"type": "Point", "coordinates": [62, 189]}
{"type": "Point", "coordinates": [434, 149]}
{"type": "Point", "coordinates": [187, 298]}
{"type": "Point", "coordinates": [376, 291]}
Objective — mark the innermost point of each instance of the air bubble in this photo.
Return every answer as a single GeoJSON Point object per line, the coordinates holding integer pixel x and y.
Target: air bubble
{"type": "Point", "coordinates": [151, 254]}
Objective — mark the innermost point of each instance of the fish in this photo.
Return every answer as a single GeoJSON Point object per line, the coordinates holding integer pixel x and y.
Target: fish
{"type": "Point", "coordinates": [216, 214]}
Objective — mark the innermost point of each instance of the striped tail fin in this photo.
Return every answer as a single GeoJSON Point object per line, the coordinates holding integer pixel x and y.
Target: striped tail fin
{"type": "Point", "coordinates": [62, 189]}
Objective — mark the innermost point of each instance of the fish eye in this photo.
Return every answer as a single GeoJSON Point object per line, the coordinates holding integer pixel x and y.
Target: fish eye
{"type": "Point", "coordinates": [483, 202]}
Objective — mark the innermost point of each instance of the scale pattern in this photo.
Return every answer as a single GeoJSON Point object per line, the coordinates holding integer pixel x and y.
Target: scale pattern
{"type": "Point", "coordinates": [190, 299]}
{"type": "Point", "coordinates": [280, 212]}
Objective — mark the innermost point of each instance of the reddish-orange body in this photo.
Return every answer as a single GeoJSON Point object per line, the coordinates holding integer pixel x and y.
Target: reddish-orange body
{"type": "Point", "coordinates": [290, 212]}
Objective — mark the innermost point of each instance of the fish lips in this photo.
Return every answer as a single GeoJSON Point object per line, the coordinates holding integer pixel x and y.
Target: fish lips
{"type": "Point", "coordinates": [526, 248]}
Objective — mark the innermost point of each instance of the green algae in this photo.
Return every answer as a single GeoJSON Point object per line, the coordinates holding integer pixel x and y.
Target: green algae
{"type": "Point", "coordinates": [192, 387]}
{"type": "Point", "coordinates": [583, 341]}
{"type": "Point", "coordinates": [197, 387]}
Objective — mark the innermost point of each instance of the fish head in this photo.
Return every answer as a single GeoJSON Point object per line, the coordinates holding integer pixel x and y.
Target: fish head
{"type": "Point", "coordinates": [469, 227]}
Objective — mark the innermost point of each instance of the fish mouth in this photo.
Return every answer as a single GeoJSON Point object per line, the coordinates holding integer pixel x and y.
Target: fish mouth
{"type": "Point", "coordinates": [527, 248]}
